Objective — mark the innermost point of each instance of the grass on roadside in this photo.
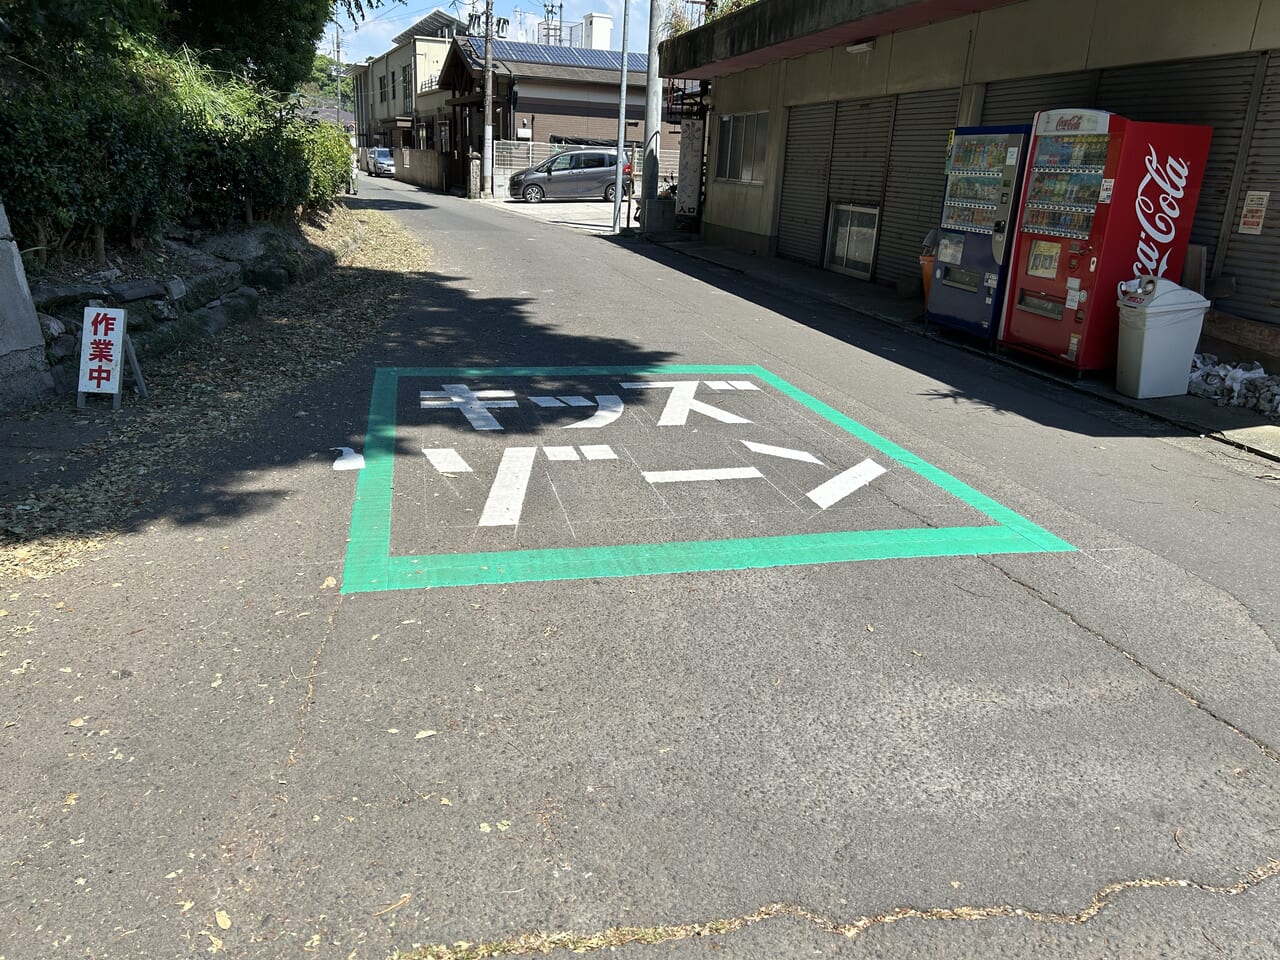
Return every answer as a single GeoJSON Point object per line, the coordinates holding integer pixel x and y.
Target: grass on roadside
{"type": "Point", "coordinates": [206, 391]}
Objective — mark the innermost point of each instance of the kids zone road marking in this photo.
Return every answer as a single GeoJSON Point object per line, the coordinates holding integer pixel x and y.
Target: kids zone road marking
{"type": "Point", "coordinates": [469, 479]}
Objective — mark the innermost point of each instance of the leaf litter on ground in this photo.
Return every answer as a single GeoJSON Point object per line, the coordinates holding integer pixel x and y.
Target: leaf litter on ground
{"type": "Point", "coordinates": [213, 389]}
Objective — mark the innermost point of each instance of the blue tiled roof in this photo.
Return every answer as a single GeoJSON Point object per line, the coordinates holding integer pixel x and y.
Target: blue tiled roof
{"type": "Point", "coordinates": [510, 51]}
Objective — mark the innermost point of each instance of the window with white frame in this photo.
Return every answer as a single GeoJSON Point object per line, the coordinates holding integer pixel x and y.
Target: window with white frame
{"type": "Point", "coordinates": [740, 148]}
{"type": "Point", "coordinates": [851, 239]}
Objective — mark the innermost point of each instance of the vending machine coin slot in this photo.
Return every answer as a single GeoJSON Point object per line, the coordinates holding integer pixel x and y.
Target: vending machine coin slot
{"type": "Point", "coordinates": [962, 279]}
{"type": "Point", "coordinates": [1042, 304]}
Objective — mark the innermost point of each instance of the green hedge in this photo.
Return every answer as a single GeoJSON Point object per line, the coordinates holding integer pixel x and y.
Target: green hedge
{"type": "Point", "coordinates": [146, 138]}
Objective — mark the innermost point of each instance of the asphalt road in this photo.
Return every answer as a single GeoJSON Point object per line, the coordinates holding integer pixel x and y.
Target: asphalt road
{"type": "Point", "coordinates": [664, 598]}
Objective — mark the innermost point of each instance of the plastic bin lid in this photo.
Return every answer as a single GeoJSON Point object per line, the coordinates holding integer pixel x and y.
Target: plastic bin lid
{"type": "Point", "coordinates": [1157, 294]}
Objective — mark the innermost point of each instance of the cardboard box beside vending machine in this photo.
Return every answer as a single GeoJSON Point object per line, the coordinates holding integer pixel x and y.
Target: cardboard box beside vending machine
{"type": "Point", "coordinates": [1105, 199]}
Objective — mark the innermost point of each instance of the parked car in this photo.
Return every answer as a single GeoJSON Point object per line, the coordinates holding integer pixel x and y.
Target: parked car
{"type": "Point", "coordinates": [380, 160]}
{"type": "Point", "coordinates": [579, 174]}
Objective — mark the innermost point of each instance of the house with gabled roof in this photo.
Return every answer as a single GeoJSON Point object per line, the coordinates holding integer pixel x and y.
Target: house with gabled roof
{"type": "Point", "coordinates": [541, 93]}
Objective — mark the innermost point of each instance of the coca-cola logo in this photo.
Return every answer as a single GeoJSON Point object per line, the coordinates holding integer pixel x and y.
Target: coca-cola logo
{"type": "Point", "coordinates": [1158, 212]}
{"type": "Point", "coordinates": [1074, 122]}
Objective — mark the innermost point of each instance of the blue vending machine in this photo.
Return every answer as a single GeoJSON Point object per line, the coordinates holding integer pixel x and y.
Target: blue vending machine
{"type": "Point", "coordinates": [975, 238]}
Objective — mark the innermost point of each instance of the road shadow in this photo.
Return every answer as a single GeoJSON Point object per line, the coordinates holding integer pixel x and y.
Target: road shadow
{"type": "Point", "coordinates": [206, 477]}
{"type": "Point", "coordinates": [364, 202]}
{"type": "Point", "coordinates": [971, 371]}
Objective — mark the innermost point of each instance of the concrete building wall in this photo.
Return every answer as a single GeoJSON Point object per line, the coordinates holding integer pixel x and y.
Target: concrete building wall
{"type": "Point", "coordinates": [429, 54]}
{"type": "Point", "coordinates": [393, 61]}
{"type": "Point", "coordinates": [929, 58]}
{"type": "Point", "coordinates": [742, 214]}
{"type": "Point", "coordinates": [597, 30]}
{"type": "Point", "coordinates": [360, 91]}
{"type": "Point", "coordinates": [423, 168]}
{"type": "Point", "coordinates": [1147, 31]}
{"type": "Point", "coordinates": [858, 75]}
{"type": "Point", "coordinates": [1031, 38]}
{"type": "Point", "coordinates": [577, 110]}
{"type": "Point", "coordinates": [1266, 32]}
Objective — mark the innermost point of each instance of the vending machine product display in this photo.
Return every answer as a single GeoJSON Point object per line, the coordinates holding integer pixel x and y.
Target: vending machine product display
{"type": "Point", "coordinates": [1106, 199]}
{"type": "Point", "coordinates": [984, 178]}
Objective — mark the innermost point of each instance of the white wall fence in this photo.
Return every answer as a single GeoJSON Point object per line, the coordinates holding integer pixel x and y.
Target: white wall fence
{"type": "Point", "coordinates": [423, 168]}
{"type": "Point", "coordinates": [512, 155]}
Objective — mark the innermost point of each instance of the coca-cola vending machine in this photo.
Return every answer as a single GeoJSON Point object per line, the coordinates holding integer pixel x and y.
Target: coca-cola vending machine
{"type": "Point", "coordinates": [1105, 199]}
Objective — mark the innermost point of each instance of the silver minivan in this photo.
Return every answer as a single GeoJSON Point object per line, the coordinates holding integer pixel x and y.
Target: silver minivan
{"type": "Point", "coordinates": [574, 175]}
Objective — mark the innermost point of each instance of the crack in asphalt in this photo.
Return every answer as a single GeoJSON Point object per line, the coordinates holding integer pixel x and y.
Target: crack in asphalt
{"type": "Point", "coordinates": [543, 943]}
{"type": "Point", "coordinates": [1270, 752]}
{"type": "Point", "coordinates": [309, 698]}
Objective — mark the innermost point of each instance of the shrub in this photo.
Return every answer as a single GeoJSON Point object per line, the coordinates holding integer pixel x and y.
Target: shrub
{"type": "Point", "coordinates": [328, 154]}
{"type": "Point", "coordinates": [142, 137]}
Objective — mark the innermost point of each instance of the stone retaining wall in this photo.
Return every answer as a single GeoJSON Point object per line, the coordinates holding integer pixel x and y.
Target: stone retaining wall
{"type": "Point", "coordinates": [216, 283]}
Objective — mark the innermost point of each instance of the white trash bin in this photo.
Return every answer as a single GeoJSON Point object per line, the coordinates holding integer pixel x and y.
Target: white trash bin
{"type": "Point", "coordinates": [1159, 328]}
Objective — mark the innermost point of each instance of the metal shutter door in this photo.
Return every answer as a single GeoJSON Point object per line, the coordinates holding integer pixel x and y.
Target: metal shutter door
{"type": "Point", "coordinates": [802, 211]}
{"type": "Point", "coordinates": [860, 151]}
{"type": "Point", "coordinates": [1018, 101]}
{"type": "Point", "coordinates": [1212, 92]}
{"type": "Point", "coordinates": [913, 192]}
{"type": "Point", "coordinates": [1255, 260]}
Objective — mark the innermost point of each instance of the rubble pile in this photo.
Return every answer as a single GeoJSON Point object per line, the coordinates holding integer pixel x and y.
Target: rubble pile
{"type": "Point", "coordinates": [1245, 385]}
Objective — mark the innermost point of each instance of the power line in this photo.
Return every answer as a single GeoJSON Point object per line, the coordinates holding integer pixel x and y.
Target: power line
{"type": "Point", "coordinates": [400, 15]}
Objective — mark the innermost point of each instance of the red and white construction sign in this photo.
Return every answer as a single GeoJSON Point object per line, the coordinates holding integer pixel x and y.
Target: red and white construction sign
{"type": "Point", "coordinates": [101, 350]}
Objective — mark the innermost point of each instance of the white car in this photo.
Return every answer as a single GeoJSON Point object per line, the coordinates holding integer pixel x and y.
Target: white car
{"type": "Point", "coordinates": [379, 161]}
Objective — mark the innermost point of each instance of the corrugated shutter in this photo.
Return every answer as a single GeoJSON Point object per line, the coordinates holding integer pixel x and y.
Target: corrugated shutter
{"type": "Point", "coordinates": [913, 192]}
{"type": "Point", "coordinates": [860, 151]}
{"type": "Point", "coordinates": [1018, 101]}
{"type": "Point", "coordinates": [1254, 261]}
{"type": "Point", "coordinates": [1213, 92]}
{"type": "Point", "coordinates": [802, 210]}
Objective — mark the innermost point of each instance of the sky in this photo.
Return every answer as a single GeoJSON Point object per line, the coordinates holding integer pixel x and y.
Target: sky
{"type": "Point", "coordinates": [376, 35]}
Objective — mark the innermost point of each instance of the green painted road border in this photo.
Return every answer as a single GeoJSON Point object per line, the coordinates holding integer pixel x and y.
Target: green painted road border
{"type": "Point", "coordinates": [370, 567]}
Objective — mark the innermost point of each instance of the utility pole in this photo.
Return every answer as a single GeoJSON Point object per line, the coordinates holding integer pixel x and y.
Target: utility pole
{"type": "Point", "coordinates": [652, 114]}
{"type": "Point", "coordinates": [486, 191]}
{"type": "Point", "coordinates": [337, 74]}
{"type": "Point", "coordinates": [622, 123]}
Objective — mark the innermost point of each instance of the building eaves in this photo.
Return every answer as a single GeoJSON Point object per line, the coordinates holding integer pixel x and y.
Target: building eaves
{"type": "Point", "coordinates": [551, 71]}
{"type": "Point", "coordinates": [771, 30]}
{"type": "Point", "coordinates": [438, 23]}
